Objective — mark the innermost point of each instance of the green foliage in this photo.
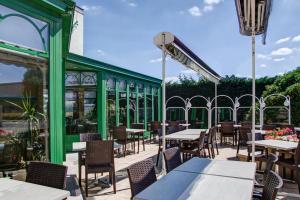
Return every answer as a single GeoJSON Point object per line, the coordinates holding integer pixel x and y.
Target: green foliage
{"type": "Point", "coordinates": [287, 84]}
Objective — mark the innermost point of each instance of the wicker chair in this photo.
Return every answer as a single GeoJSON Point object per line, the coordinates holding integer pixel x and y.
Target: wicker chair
{"type": "Point", "coordinates": [172, 158]}
{"type": "Point", "coordinates": [227, 131]}
{"type": "Point", "coordinates": [47, 174]}
{"type": "Point", "coordinates": [120, 135]}
{"type": "Point", "coordinates": [291, 163]}
{"type": "Point", "coordinates": [85, 137]}
{"type": "Point", "coordinates": [272, 185]}
{"type": "Point", "coordinates": [210, 142]}
{"type": "Point", "coordinates": [271, 160]}
{"type": "Point", "coordinates": [269, 127]}
{"type": "Point", "coordinates": [99, 159]}
{"type": "Point", "coordinates": [140, 135]}
{"type": "Point", "coordinates": [141, 175]}
{"type": "Point", "coordinates": [154, 126]}
{"type": "Point", "coordinates": [194, 148]}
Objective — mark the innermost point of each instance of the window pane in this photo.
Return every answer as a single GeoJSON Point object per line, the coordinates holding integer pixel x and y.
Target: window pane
{"type": "Point", "coordinates": [23, 134]}
{"type": "Point", "coordinates": [18, 28]}
{"type": "Point", "coordinates": [111, 110]}
{"type": "Point", "coordinates": [132, 103]}
{"type": "Point", "coordinates": [123, 108]}
{"type": "Point", "coordinates": [81, 102]}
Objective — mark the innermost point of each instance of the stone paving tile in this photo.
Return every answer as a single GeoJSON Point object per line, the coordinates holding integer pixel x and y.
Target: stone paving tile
{"type": "Point", "coordinates": [123, 188]}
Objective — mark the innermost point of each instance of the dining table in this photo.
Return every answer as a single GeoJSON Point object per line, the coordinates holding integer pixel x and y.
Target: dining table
{"type": "Point", "coordinates": [201, 178]}
{"type": "Point", "coordinates": [186, 135]}
{"type": "Point", "coordinates": [19, 190]}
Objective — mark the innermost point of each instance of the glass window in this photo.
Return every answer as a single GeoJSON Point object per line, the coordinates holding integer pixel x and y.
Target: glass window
{"type": "Point", "coordinates": [122, 86]}
{"type": "Point", "coordinates": [110, 84]}
{"type": "Point", "coordinates": [155, 92]}
{"type": "Point", "coordinates": [149, 108]}
{"type": "Point", "coordinates": [17, 28]}
{"type": "Point", "coordinates": [23, 109]}
{"type": "Point", "coordinates": [132, 102]}
{"type": "Point", "coordinates": [81, 103]}
{"type": "Point", "coordinates": [141, 108]}
{"type": "Point", "coordinates": [123, 108]}
{"type": "Point", "coordinates": [110, 110]}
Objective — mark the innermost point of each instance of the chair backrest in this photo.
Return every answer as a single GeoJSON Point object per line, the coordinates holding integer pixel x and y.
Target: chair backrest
{"type": "Point", "coordinates": [171, 130]}
{"type": "Point", "coordinates": [246, 124]}
{"type": "Point", "coordinates": [172, 158]}
{"type": "Point", "coordinates": [243, 134]}
{"type": "Point", "coordinates": [155, 125]}
{"type": "Point", "coordinates": [201, 140]}
{"type": "Point", "coordinates": [227, 128]}
{"type": "Point", "coordinates": [119, 133]}
{"type": "Point", "coordinates": [269, 127]}
{"type": "Point", "coordinates": [137, 126]}
{"type": "Point", "coordinates": [141, 175]}
{"type": "Point", "coordinates": [99, 153]}
{"type": "Point", "coordinates": [258, 136]}
{"type": "Point", "coordinates": [272, 185]}
{"type": "Point", "coordinates": [47, 174]}
{"type": "Point", "coordinates": [297, 155]}
{"type": "Point", "coordinates": [272, 159]}
{"type": "Point", "coordinates": [84, 137]}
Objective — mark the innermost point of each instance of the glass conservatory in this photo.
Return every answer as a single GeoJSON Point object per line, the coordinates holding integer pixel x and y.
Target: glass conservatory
{"type": "Point", "coordinates": [48, 95]}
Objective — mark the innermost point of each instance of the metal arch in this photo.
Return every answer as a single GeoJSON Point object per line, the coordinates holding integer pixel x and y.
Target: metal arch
{"type": "Point", "coordinates": [39, 30]}
{"type": "Point", "coordinates": [250, 95]}
{"type": "Point", "coordinates": [173, 97]}
{"type": "Point", "coordinates": [222, 95]}
{"type": "Point", "coordinates": [200, 96]}
{"type": "Point", "coordinates": [272, 95]}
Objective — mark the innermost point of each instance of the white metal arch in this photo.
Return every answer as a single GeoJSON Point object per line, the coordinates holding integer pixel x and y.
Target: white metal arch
{"type": "Point", "coordinates": [208, 107]}
{"type": "Point", "coordinates": [178, 107]}
{"type": "Point", "coordinates": [230, 108]}
{"type": "Point", "coordinates": [238, 106]}
{"type": "Point", "coordinates": [286, 105]}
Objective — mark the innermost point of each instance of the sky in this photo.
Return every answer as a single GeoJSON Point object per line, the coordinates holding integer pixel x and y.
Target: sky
{"type": "Point", "coordinates": [121, 32]}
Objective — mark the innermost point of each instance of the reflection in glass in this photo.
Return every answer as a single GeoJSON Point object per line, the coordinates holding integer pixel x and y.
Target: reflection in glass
{"type": "Point", "coordinates": [17, 28]}
{"type": "Point", "coordinates": [23, 110]}
{"type": "Point", "coordinates": [132, 103]}
{"type": "Point", "coordinates": [110, 104]}
{"type": "Point", "coordinates": [81, 102]}
{"type": "Point", "coordinates": [141, 108]}
{"type": "Point", "coordinates": [149, 108]}
{"type": "Point", "coordinates": [122, 109]}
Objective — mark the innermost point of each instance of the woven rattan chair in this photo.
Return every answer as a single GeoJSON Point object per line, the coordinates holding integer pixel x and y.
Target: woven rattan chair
{"type": "Point", "coordinates": [272, 184]}
{"type": "Point", "coordinates": [47, 174]}
{"type": "Point", "coordinates": [210, 142]}
{"type": "Point", "coordinates": [141, 175]}
{"type": "Point", "coordinates": [99, 159]}
{"type": "Point", "coordinates": [154, 126]}
{"type": "Point", "coordinates": [271, 160]}
{"type": "Point", "coordinates": [121, 137]}
{"type": "Point", "coordinates": [172, 158]}
{"type": "Point", "coordinates": [140, 135]}
{"type": "Point", "coordinates": [247, 124]}
{"type": "Point", "coordinates": [227, 131]}
{"type": "Point", "coordinates": [85, 137]}
{"type": "Point", "coordinates": [194, 148]}
{"type": "Point", "coordinates": [291, 163]}
{"type": "Point", "coordinates": [269, 127]}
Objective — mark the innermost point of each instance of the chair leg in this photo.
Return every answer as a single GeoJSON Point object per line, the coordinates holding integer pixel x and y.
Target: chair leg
{"type": "Point", "coordinates": [79, 173]}
{"type": "Point", "coordinates": [124, 147]}
{"type": "Point", "coordinates": [157, 157]}
{"type": "Point", "coordinates": [143, 144]}
{"type": "Point", "coordinates": [114, 180]}
{"type": "Point", "coordinates": [208, 151]}
{"type": "Point", "coordinates": [86, 184]}
{"type": "Point", "coordinates": [217, 148]}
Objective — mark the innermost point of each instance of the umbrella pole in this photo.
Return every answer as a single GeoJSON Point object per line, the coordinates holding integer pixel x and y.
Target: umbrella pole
{"type": "Point", "coordinates": [163, 103]}
{"type": "Point", "coordinates": [253, 96]}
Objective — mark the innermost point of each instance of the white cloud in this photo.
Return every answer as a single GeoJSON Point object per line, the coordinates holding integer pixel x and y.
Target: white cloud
{"type": "Point", "coordinates": [296, 38]}
{"type": "Point", "coordinates": [208, 8]}
{"type": "Point", "coordinates": [195, 11]}
{"type": "Point", "coordinates": [279, 59]}
{"type": "Point", "coordinates": [132, 4]}
{"type": "Point", "coordinates": [157, 60]}
{"type": "Point", "coordinates": [263, 65]}
{"type": "Point", "coordinates": [211, 2]}
{"type": "Point", "coordinates": [282, 40]}
{"type": "Point", "coordinates": [188, 71]}
{"type": "Point", "coordinates": [263, 56]}
{"type": "Point", "coordinates": [172, 79]}
{"type": "Point", "coordinates": [90, 8]}
{"type": "Point", "coordinates": [282, 52]}
{"type": "Point", "coordinates": [101, 52]}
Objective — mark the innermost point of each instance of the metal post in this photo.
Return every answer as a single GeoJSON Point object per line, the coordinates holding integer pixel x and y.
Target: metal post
{"type": "Point", "coordinates": [163, 101]}
{"type": "Point", "coordinates": [253, 78]}
{"type": "Point", "coordinates": [216, 104]}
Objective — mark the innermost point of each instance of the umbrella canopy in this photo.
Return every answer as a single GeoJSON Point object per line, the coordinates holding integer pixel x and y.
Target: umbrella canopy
{"type": "Point", "coordinates": [178, 51]}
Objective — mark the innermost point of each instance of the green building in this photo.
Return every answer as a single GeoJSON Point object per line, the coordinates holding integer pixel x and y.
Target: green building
{"type": "Point", "coordinates": [49, 95]}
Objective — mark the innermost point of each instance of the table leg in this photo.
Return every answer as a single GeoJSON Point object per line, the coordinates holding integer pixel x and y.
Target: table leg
{"type": "Point", "coordinates": [138, 143]}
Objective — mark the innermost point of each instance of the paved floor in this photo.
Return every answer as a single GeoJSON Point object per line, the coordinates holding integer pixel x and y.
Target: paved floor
{"type": "Point", "coordinates": [123, 188]}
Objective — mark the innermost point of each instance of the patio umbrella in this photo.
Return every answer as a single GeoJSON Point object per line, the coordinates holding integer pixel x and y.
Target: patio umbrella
{"type": "Point", "coordinates": [253, 16]}
{"type": "Point", "coordinates": [171, 45]}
